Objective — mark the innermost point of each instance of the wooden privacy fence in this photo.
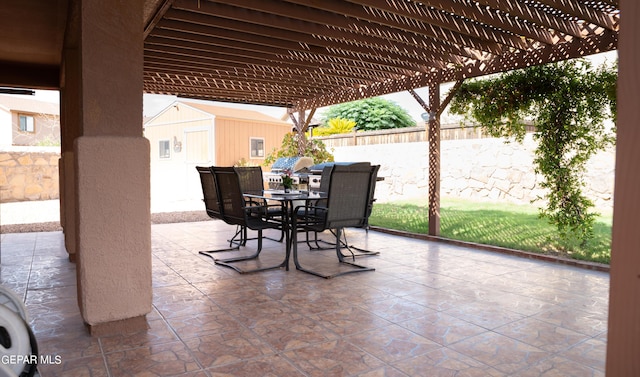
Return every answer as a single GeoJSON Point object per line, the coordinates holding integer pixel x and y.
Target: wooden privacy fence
{"type": "Point", "coordinates": [452, 131]}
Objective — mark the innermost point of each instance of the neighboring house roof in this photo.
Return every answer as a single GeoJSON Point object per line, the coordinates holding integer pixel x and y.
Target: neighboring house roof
{"type": "Point", "coordinates": [28, 105]}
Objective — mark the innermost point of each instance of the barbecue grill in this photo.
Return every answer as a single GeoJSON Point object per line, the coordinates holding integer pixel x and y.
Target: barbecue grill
{"type": "Point", "coordinates": [315, 173]}
{"type": "Point", "coordinates": [298, 166]}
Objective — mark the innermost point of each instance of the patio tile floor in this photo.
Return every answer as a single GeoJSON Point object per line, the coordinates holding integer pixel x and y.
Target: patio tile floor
{"type": "Point", "coordinates": [429, 309]}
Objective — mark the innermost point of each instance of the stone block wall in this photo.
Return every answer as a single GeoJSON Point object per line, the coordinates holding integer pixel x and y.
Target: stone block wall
{"type": "Point", "coordinates": [29, 173]}
{"type": "Point", "coordinates": [475, 169]}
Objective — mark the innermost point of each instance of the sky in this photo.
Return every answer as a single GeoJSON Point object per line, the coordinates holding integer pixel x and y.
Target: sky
{"type": "Point", "coordinates": [154, 103]}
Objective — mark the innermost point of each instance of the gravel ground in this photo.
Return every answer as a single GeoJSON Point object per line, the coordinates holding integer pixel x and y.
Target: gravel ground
{"type": "Point", "coordinates": [156, 218]}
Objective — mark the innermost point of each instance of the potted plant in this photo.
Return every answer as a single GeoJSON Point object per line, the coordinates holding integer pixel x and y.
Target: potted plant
{"type": "Point", "coordinates": [287, 181]}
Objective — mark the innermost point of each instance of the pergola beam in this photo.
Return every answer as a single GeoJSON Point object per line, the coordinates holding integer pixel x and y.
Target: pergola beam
{"type": "Point", "coordinates": [495, 19]}
{"type": "Point", "coordinates": [582, 12]}
{"type": "Point", "coordinates": [266, 39]}
{"type": "Point", "coordinates": [534, 15]}
{"type": "Point", "coordinates": [275, 42]}
{"type": "Point", "coordinates": [202, 56]}
{"type": "Point", "coordinates": [316, 34]}
{"type": "Point", "coordinates": [164, 6]}
{"type": "Point", "coordinates": [445, 18]}
{"type": "Point", "coordinates": [358, 13]}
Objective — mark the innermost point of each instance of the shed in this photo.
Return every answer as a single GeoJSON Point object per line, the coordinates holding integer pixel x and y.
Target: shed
{"type": "Point", "coordinates": [187, 134]}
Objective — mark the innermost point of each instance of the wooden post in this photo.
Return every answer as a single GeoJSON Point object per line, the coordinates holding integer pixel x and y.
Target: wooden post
{"type": "Point", "coordinates": [435, 109]}
{"type": "Point", "coordinates": [433, 137]}
{"type": "Point", "coordinates": [434, 160]}
{"type": "Point", "coordinates": [301, 124]}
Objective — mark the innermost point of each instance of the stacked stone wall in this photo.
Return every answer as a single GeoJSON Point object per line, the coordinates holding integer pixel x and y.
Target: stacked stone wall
{"type": "Point", "coordinates": [475, 169]}
{"type": "Point", "coordinates": [29, 173]}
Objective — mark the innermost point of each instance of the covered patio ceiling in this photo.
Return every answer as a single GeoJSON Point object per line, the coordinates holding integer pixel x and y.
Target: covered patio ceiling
{"type": "Point", "coordinates": [304, 54]}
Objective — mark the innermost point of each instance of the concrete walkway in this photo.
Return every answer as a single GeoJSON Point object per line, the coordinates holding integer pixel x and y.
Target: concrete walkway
{"type": "Point", "coordinates": [42, 211]}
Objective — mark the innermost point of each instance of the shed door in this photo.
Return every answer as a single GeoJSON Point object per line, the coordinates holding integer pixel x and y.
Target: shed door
{"type": "Point", "coordinates": [197, 153]}
{"type": "Point", "coordinates": [197, 146]}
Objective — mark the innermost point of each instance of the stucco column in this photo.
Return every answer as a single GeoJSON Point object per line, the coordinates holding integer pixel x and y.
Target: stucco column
{"type": "Point", "coordinates": [113, 231]}
{"type": "Point", "coordinates": [623, 342]}
{"type": "Point", "coordinates": [110, 170]}
{"type": "Point", "coordinates": [70, 128]}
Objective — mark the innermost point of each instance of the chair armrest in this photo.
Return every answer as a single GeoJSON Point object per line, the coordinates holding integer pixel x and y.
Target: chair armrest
{"type": "Point", "coordinates": [261, 208]}
{"type": "Point", "coordinates": [310, 214]}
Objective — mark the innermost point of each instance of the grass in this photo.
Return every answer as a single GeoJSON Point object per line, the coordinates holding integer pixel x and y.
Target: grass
{"type": "Point", "coordinates": [506, 225]}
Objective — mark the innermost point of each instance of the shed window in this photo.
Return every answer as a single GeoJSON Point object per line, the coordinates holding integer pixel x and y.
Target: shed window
{"type": "Point", "coordinates": [257, 147]}
{"type": "Point", "coordinates": [26, 123]}
{"type": "Point", "coordinates": [165, 148]}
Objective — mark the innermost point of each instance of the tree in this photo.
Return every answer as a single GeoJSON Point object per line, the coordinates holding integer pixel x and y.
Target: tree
{"type": "Point", "coordinates": [295, 144]}
{"type": "Point", "coordinates": [568, 103]}
{"type": "Point", "coordinates": [371, 114]}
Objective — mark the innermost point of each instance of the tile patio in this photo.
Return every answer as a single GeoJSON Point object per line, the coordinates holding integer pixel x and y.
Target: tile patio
{"type": "Point", "coordinates": [429, 309]}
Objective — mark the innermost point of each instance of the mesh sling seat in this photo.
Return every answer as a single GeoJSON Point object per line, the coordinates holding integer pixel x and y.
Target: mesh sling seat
{"type": "Point", "coordinates": [212, 206]}
{"type": "Point", "coordinates": [249, 214]}
{"type": "Point", "coordinates": [346, 206]}
{"type": "Point", "coordinates": [251, 180]}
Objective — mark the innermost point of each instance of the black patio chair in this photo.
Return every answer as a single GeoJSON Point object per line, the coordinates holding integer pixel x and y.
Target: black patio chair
{"type": "Point", "coordinates": [324, 187]}
{"type": "Point", "coordinates": [373, 178]}
{"type": "Point", "coordinates": [251, 180]}
{"type": "Point", "coordinates": [212, 206]}
{"type": "Point", "coordinates": [249, 214]}
{"type": "Point", "coordinates": [325, 178]}
{"type": "Point", "coordinates": [346, 206]}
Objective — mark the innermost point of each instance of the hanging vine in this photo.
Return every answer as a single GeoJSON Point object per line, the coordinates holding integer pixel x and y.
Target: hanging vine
{"type": "Point", "coordinates": [568, 103]}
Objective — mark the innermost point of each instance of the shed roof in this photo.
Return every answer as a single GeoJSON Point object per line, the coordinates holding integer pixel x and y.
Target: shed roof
{"type": "Point", "coordinates": [234, 113]}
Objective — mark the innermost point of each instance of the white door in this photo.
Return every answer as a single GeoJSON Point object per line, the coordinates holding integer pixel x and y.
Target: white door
{"type": "Point", "coordinates": [198, 150]}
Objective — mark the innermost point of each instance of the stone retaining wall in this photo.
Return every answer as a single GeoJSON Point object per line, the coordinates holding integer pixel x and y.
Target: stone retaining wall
{"type": "Point", "coordinates": [477, 169]}
{"type": "Point", "coordinates": [29, 173]}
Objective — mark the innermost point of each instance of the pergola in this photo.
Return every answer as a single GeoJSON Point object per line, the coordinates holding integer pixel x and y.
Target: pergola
{"type": "Point", "coordinates": [305, 54]}
{"type": "Point", "coordinates": [299, 54]}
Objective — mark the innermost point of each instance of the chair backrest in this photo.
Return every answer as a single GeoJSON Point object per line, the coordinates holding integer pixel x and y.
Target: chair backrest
{"type": "Point", "coordinates": [230, 195]}
{"type": "Point", "coordinates": [372, 187]}
{"type": "Point", "coordinates": [325, 178]}
{"type": "Point", "coordinates": [250, 178]}
{"type": "Point", "coordinates": [348, 195]}
{"type": "Point", "coordinates": [209, 192]}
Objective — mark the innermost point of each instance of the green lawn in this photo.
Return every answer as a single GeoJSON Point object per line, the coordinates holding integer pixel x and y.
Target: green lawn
{"type": "Point", "coordinates": [506, 225]}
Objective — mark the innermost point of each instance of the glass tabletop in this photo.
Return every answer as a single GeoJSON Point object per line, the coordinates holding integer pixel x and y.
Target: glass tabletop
{"type": "Point", "coordinates": [282, 195]}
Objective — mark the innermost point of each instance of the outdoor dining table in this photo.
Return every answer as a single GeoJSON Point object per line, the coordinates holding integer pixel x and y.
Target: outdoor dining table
{"type": "Point", "coordinates": [288, 201]}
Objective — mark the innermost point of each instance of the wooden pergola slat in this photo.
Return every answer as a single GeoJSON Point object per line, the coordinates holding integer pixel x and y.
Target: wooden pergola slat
{"type": "Point", "coordinates": [359, 13]}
